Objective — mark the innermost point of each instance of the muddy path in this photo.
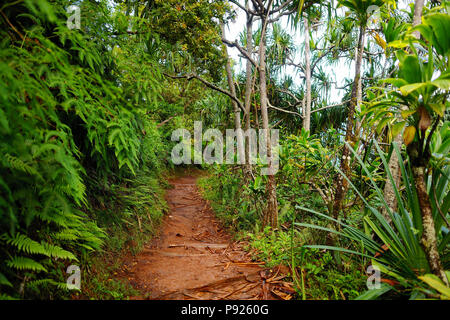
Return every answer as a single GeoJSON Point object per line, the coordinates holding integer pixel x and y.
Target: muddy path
{"type": "Point", "coordinates": [194, 257]}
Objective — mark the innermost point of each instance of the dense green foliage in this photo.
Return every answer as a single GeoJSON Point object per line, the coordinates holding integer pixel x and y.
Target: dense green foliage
{"type": "Point", "coordinates": [86, 118]}
{"type": "Point", "coordinates": [368, 230]}
{"type": "Point", "coordinates": [81, 154]}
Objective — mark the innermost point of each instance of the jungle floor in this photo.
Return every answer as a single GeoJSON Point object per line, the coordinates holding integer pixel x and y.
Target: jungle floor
{"type": "Point", "coordinates": [194, 257]}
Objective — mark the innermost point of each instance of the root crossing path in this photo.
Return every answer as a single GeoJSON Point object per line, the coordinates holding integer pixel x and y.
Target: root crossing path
{"type": "Point", "coordinates": [194, 257]}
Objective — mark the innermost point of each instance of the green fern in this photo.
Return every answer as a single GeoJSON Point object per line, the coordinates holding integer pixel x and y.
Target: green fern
{"type": "Point", "coordinates": [4, 281]}
{"type": "Point", "coordinates": [60, 118]}
{"type": "Point", "coordinates": [25, 244]}
{"type": "Point", "coordinates": [23, 263]}
{"type": "Point", "coordinates": [66, 234]}
{"type": "Point", "coordinates": [6, 297]}
{"type": "Point", "coordinates": [58, 252]}
{"type": "Point", "coordinates": [17, 164]}
{"type": "Point", "coordinates": [46, 283]}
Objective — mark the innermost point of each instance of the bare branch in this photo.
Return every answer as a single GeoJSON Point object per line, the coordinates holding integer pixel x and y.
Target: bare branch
{"type": "Point", "coordinates": [281, 14]}
{"type": "Point", "coordinates": [324, 197]}
{"type": "Point", "coordinates": [293, 64]}
{"type": "Point", "coordinates": [247, 10]}
{"type": "Point", "coordinates": [258, 5]}
{"type": "Point", "coordinates": [281, 6]}
{"type": "Point", "coordinates": [209, 85]}
{"type": "Point", "coordinates": [165, 121]}
{"type": "Point", "coordinates": [283, 110]}
{"type": "Point", "coordinates": [128, 32]}
{"type": "Point", "coordinates": [427, 143]}
{"type": "Point", "coordinates": [317, 25]}
{"type": "Point", "coordinates": [290, 94]}
{"type": "Point", "coordinates": [241, 50]}
{"type": "Point", "coordinates": [351, 204]}
{"type": "Point", "coordinates": [345, 86]}
{"type": "Point", "coordinates": [331, 106]}
{"type": "Point", "coordinates": [321, 57]}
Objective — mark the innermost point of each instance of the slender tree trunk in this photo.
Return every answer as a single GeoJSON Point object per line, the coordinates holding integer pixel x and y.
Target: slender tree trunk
{"type": "Point", "coordinates": [128, 5]}
{"type": "Point", "coordinates": [341, 183]}
{"type": "Point", "coordinates": [389, 194]}
{"type": "Point", "coordinates": [255, 76]}
{"type": "Point", "coordinates": [417, 18]}
{"type": "Point", "coordinates": [307, 113]}
{"type": "Point", "coordinates": [271, 214]}
{"type": "Point", "coordinates": [248, 93]}
{"type": "Point", "coordinates": [236, 110]}
{"type": "Point", "coordinates": [256, 115]}
{"type": "Point", "coordinates": [359, 97]}
{"type": "Point", "coordinates": [304, 105]}
{"type": "Point", "coordinates": [359, 92]}
{"type": "Point", "coordinates": [389, 188]}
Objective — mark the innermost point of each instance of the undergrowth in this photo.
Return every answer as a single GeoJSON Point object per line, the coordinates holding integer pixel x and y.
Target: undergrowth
{"type": "Point", "coordinates": [82, 155]}
{"type": "Point", "coordinates": [130, 222]}
{"type": "Point", "coordinates": [239, 207]}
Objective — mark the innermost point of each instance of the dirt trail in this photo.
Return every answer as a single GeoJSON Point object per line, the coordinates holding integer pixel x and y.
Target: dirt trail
{"type": "Point", "coordinates": [194, 257]}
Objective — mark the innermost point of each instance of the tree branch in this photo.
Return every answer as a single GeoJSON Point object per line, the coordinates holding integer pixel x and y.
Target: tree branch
{"type": "Point", "coordinates": [427, 143]}
{"type": "Point", "coordinates": [281, 14]}
{"type": "Point", "coordinates": [289, 94]}
{"type": "Point", "coordinates": [281, 6]}
{"type": "Point", "coordinates": [209, 85]}
{"type": "Point", "coordinates": [321, 57]}
{"type": "Point", "coordinates": [293, 64]}
{"type": "Point", "coordinates": [241, 50]}
{"type": "Point", "coordinates": [247, 11]}
{"type": "Point", "coordinates": [330, 106]}
{"type": "Point", "coordinates": [283, 110]}
{"type": "Point", "coordinates": [324, 197]}
{"type": "Point", "coordinates": [165, 121]}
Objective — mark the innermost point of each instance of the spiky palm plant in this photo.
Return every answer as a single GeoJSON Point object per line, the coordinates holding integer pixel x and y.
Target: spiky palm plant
{"type": "Point", "coordinates": [398, 254]}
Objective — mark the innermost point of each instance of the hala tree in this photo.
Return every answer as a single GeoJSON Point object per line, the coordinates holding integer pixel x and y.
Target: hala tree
{"type": "Point", "coordinates": [267, 12]}
{"type": "Point", "coordinates": [422, 103]}
{"type": "Point", "coordinates": [361, 10]}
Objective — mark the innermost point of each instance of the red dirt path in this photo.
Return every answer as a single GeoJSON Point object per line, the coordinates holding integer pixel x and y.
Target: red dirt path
{"type": "Point", "coordinates": [194, 257]}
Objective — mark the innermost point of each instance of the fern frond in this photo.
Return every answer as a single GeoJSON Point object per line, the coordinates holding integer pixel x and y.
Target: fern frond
{"type": "Point", "coordinates": [4, 296]}
{"type": "Point", "coordinates": [23, 263]}
{"type": "Point", "coordinates": [58, 252]}
{"type": "Point", "coordinates": [18, 164]}
{"type": "Point", "coordinates": [25, 244]}
{"type": "Point", "coordinates": [45, 283]}
{"type": "Point", "coordinates": [4, 281]}
{"type": "Point", "coordinates": [66, 234]}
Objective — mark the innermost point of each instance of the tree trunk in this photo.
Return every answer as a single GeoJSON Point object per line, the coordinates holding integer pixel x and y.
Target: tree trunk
{"type": "Point", "coordinates": [359, 98]}
{"type": "Point", "coordinates": [389, 194]}
{"type": "Point", "coordinates": [271, 214]}
{"type": "Point", "coordinates": [417, 18]}
{"type": "Point", "coordinates": [307, 113]}
{"type": "Point", "coordinates": [419, 164]}
{"type": "Point", "coordinates": [341, 183]}
{"type": "Point", "coordinates": [248, 93]}
{"type": "Point", "coordinates": [428, 239]}
{"type": "Point", "coordinates": [236, 110]}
